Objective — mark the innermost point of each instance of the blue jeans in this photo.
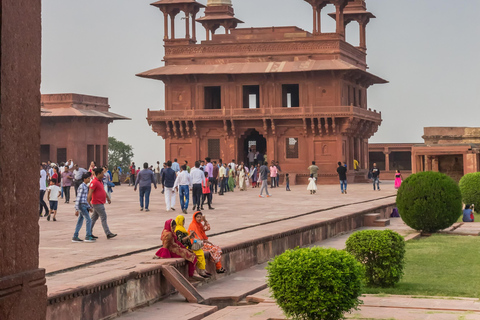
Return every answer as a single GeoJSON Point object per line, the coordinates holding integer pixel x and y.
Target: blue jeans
{"type": "Point", "coordinates": [83, 214]}
{"type": "Point", "coordinates": [288, 186]}
{"type": "Point", "coordinates": [145, 192]}
{"type": "Point", "coordinates": [184, 194]}
{"type": "Point", "coordinates": [377, 181]}
{"type": "Point", "coordinates": [343, 185]}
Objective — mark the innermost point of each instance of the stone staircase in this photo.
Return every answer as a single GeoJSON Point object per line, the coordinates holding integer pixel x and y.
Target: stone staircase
{"type": "Point", "coordinates": [375, 220]}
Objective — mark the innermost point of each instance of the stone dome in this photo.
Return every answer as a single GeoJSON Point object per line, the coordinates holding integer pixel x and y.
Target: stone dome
{"type": "Point", "coordinates": [219, 3]}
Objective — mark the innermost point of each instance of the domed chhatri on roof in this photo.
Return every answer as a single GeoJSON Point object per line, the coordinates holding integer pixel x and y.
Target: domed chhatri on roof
{"type": "Point", "coordinates": [211, 3]}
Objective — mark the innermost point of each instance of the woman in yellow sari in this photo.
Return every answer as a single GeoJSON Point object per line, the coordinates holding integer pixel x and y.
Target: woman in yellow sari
{"type": "Point", "coordinates": [186, 239]}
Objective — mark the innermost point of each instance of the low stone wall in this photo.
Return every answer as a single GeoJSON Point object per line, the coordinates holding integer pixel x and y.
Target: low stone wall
{"type": "Point", "coordinates": [146, 284]}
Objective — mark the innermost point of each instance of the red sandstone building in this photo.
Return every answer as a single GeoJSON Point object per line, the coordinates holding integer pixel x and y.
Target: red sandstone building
{"type": "Point", "coordinates": [292, 94]}
{"type": "Point", "coordinates": [75, 127]}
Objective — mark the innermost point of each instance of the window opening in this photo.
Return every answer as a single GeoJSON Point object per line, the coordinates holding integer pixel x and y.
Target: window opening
{"type": "Point", "coordinates": [213, 97]}
{"type": "Point", "coordinates": [292, 148]}
{"type": "Point", "coordinates": [251, 97]}
{"type": "Point", "coordinates": [290, 95]}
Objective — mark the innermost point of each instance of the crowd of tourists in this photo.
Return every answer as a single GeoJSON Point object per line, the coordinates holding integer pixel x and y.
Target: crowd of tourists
{"type": "Point", "coordinates": [93, 188]}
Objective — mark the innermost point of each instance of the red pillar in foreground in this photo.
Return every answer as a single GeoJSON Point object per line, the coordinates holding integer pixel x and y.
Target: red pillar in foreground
{"type": "Point", "coordinates": [23, 293]}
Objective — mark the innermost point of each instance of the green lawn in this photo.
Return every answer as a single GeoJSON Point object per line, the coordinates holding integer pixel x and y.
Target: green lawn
{"type": "Point", "coordinates": [440, 265]}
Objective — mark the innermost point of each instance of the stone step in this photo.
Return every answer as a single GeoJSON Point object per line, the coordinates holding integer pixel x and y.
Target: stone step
{"type": "Point", "coordinates": [370, 218]}
{"type": "Point", "coordinates": [381, 223]}
{"type": "Point", "coordinates": [182, 285]}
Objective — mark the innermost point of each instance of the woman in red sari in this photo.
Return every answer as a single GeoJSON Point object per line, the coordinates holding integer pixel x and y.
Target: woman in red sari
{"type": "Point", "coordinates": [172, 248]}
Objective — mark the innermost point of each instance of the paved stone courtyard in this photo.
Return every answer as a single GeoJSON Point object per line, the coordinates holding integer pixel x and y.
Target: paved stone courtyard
{"type": "Point", "coordinates": [141, 230]}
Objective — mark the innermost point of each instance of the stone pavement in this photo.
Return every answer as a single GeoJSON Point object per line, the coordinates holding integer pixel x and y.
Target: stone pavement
{"type": "Point", "coordinates": [140, 231]}
{"type": "Point", "coordinates": [232, 289]}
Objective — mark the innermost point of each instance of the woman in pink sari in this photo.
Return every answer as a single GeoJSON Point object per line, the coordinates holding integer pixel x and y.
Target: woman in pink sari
{"type": "Point", "coordinates": [172, 248]}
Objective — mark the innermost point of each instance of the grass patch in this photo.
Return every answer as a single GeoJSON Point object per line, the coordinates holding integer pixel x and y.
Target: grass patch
{"type": "Point", "coordinates": [440, 265]}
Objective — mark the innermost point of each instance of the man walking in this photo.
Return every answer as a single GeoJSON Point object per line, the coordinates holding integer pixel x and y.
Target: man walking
{"type": "Point", "coordinates": [96, 199]}
{"type": "Point", "coordinates": [278, 173]}
{"type": "Point", "coordinates": [182, 184]}
{"type": "Point", "coordinates": [175, 166]}
{"type": "Point", "coordinates": [131, 182]}
{"type": "Point", "coordinates": [168, 181]}
{"type": "Point", "coordinates": [157, 173]}
{"type": "Point", "coordinates": [78, 176]}
{"type": "Point", "coordinates": [342, 175]}
{"type": "Point", "coordinates": [314, 170]}
{"type": "Point", "coordinates": [43, 189]}
{"type": "Point", "coordinates": [209, 171]}
{"type": "Point", "coordinates": [82, 211]}
{"type": "Point", "coordinates": [264, 172]}
{"type": "Point", "coordinates": [145, 178]}
{"type": "Point", "coordinates": [198, 177]}
{"type": "Point", "coordinates": [214, 184]}
{"type": "Point", "coordinates": [222, 176]}
{"type": "Point", "coordinates": [375, 176]}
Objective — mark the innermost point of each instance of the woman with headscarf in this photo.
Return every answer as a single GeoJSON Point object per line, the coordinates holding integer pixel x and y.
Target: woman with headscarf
{"type": "Point", "coordinates": [199, 225]}
{"type": "Point", "coordinates": [172, 248]}
{"type": "Point", "coordinates": [186, 239]}
{"type": "Point", "coordinates": [241, 180]}
{"type": "Point", "coordinates": [231, 178]}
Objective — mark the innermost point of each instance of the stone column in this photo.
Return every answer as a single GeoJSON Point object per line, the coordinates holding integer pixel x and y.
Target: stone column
{"type": "Point", "coordinates": [315, 15]}
{"type": "Point", "coordinates": [187, 25]}
{"type": "Point", "coordinates": [172, 25]}
{"type": "Point", "coordinates": [165, 25]}
{"type": "Point", "coordinates": [194, 27]}
{"type": "Point", "coordinates": [23, 293]}
{"type": "Point", "coordinates": [387, 160]}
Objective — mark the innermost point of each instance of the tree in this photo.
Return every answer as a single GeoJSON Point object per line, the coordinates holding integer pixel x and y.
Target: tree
{"type": "Point", "coordinates": [119, 154]}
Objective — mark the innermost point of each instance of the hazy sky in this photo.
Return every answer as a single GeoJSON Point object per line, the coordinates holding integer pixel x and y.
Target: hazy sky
{"type": "Point", "coordinates": [427, 49]}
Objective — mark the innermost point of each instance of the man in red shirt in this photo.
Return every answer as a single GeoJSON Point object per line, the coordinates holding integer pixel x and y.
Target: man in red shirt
{"type": "Point", "coordinates": [96, 199]}
{"type": "Point", "coordinates": [132, 174]}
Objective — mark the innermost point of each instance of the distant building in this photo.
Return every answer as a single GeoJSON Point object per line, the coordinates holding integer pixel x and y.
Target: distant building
{"type": "Point", "coordinates": [293, 95]}
{"type": "Point", "coordinates": [451, 150]}
{"type": "Point", "coordinates": [390, 157]}
{"type": "Point", "coordinates": [75, 126]}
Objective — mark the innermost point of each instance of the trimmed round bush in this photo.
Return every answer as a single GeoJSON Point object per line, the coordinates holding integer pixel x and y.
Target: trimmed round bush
{"type": "Point", "coordinates": [429, 201]}
{"type": "Point", "coordinates": [382, 253]}
{"type": "Point", "coordinates": [470, 188]}
{"type": "Point", "coordinates": [315, 283]}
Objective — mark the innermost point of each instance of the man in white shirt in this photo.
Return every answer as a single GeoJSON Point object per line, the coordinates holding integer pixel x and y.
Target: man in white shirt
{"type": "Point", "coordinates": [43, 189]}
{"type": "Point", "coordinates": [182, 184]}
{"type": "Point", "coordinates": [198, 177]}
{"type": "Point", "coordinates": [251, 158]}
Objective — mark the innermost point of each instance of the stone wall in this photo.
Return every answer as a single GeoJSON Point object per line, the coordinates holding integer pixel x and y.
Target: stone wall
{"type": "Point", "coordinates": [22, 283]}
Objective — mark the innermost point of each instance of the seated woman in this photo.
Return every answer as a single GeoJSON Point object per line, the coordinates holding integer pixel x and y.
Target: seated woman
{"type": "Point", "coordinates": [186, 239]}
{"type": "Point", "coordinates": [199, 225]}
{"type": "Point", "coordinates": [468, 213]}
{"type": "Point", "coordinates": [172, 248]}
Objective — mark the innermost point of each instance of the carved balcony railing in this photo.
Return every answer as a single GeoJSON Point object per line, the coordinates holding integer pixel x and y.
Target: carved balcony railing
{"type": "Point", "coordinates": [264, 113]}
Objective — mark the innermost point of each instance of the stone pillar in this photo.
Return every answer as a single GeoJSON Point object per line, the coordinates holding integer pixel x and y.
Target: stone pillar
{"type": "Point", "coordinates": [340, 18]}
{"type": "Point", "coordinates": [165, 25]}
{"type": "Point", "coordinates": [187, 25]}
{"type": "Point", "coordinates": [172, 25]}
{"type": "Point", "coordinates": [387, 160]}
{"type": "Point", "coordinates": [363, 35]}
{"type": "Point", "coordinates": [315, 16]}
{"type": "Point", "coordinates": [194, 27]}
{"type": "Point", "coordinates": [23, 293]}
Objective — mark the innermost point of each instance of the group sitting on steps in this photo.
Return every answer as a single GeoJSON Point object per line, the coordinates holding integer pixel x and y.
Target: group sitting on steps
{"type": "Point", "coordinates": [190, 245]}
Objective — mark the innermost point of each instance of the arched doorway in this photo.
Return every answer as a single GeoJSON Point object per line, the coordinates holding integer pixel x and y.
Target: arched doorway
{"type": "Point", "coordinates": [251, 140]}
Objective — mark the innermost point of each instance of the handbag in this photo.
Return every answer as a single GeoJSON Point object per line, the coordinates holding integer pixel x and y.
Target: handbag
{"type": "Point", "coordinates": [110, 184]}
{"type": "Point", "coordinates": [197, 245]}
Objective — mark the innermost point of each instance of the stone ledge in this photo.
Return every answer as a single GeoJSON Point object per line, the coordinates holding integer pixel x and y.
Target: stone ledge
{"type": "Point", "coordinates": [145, 284]}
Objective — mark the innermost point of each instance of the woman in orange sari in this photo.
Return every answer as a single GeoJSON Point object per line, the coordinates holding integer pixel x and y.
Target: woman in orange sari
{"type": "Point", "coordinates": [172, 248]}
{"type": "Point", "coordinates": [199, 225]}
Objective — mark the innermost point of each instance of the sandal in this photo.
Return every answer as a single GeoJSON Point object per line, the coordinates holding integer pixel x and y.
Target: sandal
{"type": "Point", "coordinates": [221, 270]}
